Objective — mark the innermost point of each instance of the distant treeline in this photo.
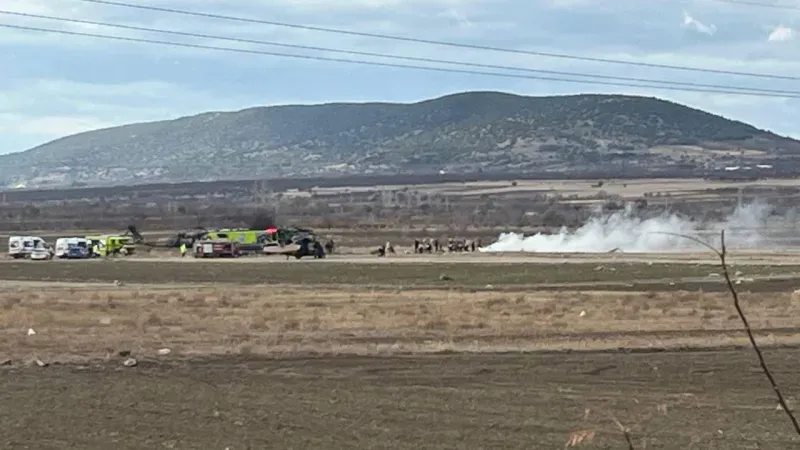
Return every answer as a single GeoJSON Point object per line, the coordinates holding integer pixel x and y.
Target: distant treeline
{"type": "Point", "coordinates": [283, 184]}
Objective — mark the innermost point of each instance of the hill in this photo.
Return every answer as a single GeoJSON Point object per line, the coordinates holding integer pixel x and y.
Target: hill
{"type": "Point", "coordinates": [471, 131]}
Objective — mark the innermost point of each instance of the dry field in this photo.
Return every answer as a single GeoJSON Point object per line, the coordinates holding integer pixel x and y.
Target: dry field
{"type": "Point", "coordinates": [469, 351]}
{"type": "Point", "coordinates": [74, 323]}
{"type": "Point", "coordinates": [489, 351]}
{"type": "Point", "coordinates": [582, 188]}
{"type": "Point", "coordinates": [701, 400]}
{"type": "Point", "coordinates": [297, 366]}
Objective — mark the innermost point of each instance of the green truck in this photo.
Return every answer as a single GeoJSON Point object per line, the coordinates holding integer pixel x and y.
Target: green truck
{"type": "Point", "coordinates": [110, 245]}
{"type": "Point", "coordinates": [254, 240]}
{"type": "Point", "coordinates": [247, 240]}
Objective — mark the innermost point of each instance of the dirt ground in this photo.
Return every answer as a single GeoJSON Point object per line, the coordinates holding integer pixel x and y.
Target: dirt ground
{"type": "Point", "coordinates": [407, 273]}
{"type": "Point", "coordinates": [458, 351]}
{"type": "Point", "coordinates": [362, 256]}
{"type": "Point", "coordinates": [677, 400]}
{"type": "Point", "coordinates": [625, 188]}
{"type": "Point", "coordinates": [345, 353]}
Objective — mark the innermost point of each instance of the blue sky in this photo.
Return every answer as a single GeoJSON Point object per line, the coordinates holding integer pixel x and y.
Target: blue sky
{"type": "Point", "coordinates": [55, 85]}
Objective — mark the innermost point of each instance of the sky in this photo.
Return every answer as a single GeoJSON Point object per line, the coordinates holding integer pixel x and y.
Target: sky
{"type": "Point", "coordinates": [56, 85]}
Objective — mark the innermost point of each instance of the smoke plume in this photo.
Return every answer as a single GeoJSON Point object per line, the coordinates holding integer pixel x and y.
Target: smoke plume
{"type": "Point", "coordinates": [624, 231]}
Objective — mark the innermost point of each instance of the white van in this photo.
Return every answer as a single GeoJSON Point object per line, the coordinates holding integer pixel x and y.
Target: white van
{"type": "Point", "coordinates": [22, 246]}
{"type": "Point", "coordinates": [63, 245]}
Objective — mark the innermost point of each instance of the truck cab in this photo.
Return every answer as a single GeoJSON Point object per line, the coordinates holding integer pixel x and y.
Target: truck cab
{"type": "Point", "coordinates": [247, 240]}
{"type": "Point", "coordinates": [111, 245]}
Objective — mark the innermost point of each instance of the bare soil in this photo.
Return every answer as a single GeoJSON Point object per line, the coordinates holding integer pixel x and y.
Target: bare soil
{"type": "Point", "coordinates": [452, 274]}
{"type": "Point", "coordinates": [680, 400]}
{"type": "Point", "coordinates": [340, 353]}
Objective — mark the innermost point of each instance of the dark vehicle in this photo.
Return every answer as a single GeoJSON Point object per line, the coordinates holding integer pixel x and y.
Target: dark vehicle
{"type": "Point", "coordinates": [305, 246]}
{"type": "Point", "coordinates": [77, 252]}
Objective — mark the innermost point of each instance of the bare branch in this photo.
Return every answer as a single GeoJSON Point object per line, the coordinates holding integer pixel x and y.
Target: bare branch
{"type": "Point", "coordinates": [746, 324]}
{"type": "Point", "coordinates": [691, 238]}
{"type": "Point", "coordinates": [626, 433]}
{"type": "Point", "coordinates": [723, 253]}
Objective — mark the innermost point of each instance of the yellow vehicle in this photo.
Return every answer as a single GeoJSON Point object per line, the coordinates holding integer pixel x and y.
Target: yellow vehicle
{"type": "Point", "coordinates": [111, 245]}
{"type": "Point", "coordinates": [249, 240]}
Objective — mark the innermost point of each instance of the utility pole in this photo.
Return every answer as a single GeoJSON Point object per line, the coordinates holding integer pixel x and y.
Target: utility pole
{"type": "Point", "coordinates": [740, 199]}
{"type": "Point", "coordinates": [261, 194]}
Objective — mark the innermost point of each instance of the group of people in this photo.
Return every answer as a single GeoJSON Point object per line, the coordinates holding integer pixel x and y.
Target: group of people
{"type": "Point", "coordinates": [428, 245]}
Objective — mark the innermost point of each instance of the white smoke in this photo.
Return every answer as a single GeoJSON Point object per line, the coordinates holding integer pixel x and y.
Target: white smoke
{"type": "Point", "coordinates": [624, 231]}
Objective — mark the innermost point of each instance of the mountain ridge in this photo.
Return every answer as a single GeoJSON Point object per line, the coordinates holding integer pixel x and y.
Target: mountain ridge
{"type": "Point", "coordinates": [465, 131]}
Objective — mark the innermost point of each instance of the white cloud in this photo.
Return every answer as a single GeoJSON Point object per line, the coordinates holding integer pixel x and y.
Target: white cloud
{"type": "Point", "coordinates": [43, 7]}
{"type": "Point", "coordinates": [694, 24]}
{"type": "Point", "coordinates": [334, 5]}
{"type": "Point", "coordinates": [457, 17]}
{"type": "Point", "coordinates": [568, 4]}
{"type": "Point", "coordinates": [781, 34]}
{"type": "Point", "coordinates": [50, 108]}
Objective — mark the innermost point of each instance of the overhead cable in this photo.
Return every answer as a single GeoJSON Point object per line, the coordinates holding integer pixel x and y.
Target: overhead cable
{"type": "Point", "coordinates": [393, 65]}
{"type": "Point", "coordinates": [402, 57]}
{"type": "Point", "coordinates": [438, 42]}
{"type": "Point", "coordinates": [759, 4]}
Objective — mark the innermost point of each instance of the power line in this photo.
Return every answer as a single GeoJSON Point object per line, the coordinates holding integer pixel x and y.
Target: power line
{"type": "Point", "coordinates": [759, 4]}
{"type": "Point", "coordinates": [393, 65]}
{"type": "Point", "coordinates": [443, 43]}
{"type": "Point", "coordinates": [401, 57]}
